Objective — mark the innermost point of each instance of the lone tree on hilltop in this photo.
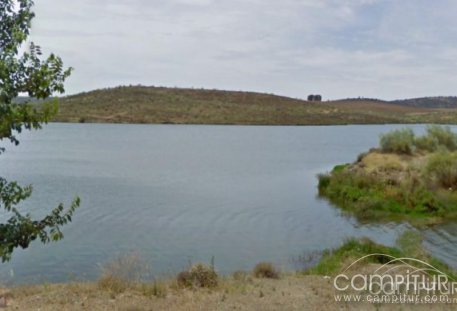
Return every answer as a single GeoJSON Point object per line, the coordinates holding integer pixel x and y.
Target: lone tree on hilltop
{"type": "Point", "coordinates": [39, 77]}
{"type": "Point", "coordinates": [314, 98]}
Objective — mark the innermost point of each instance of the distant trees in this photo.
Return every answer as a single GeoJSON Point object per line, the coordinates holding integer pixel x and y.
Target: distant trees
{"type": "Point", "coordinates": [314, 98]}
{"type": "Point", "coordinates": [39, 78]}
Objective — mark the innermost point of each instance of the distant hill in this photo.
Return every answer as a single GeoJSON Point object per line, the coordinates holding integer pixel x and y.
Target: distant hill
{"type": "Point", "coordinates": [141, 104]}
{"type": "Point", "coordinates": [26, 99]}
{"type": "Point", "coordinates": [429, 102]}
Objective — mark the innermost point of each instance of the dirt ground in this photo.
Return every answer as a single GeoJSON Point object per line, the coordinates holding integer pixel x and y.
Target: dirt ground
{"type": "Point", "coordinates": [293, 292]}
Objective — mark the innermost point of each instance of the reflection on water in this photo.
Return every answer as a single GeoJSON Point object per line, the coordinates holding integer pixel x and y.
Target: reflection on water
{"type": "Point", "coordinates": [187, 193]}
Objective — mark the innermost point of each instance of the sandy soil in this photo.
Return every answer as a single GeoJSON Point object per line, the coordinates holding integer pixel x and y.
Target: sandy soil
{"type": "Point", "coordinates": [293, 292]}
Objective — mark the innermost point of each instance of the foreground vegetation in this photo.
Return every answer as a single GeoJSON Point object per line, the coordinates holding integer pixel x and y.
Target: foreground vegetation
{"type": "Point", "coordinates": [407, 178]}
{"type": "Point", "coordinates": [24, 69]}
{"type": "Point", "coordinates": [201, 288]}
{"type": "Point", "coordinates": [197, 288]}
{"type": "Point", "coordinates": [408, 245]}
{"type": "Point", "coordinates": [139, 104]}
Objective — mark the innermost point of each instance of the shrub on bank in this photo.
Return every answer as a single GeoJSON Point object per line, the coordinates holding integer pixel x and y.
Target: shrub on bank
{"type": "Point", "coordinates": [265, 270]}
{"type": "Point", "coordinates": [426, 143]}
{"type": "Point", "coordinates": [403, 141]}
{"type": "Point", "coordinates": [398, 141]}
{"type": "Point", "coordinates": [198, 275]}
{"type": "Point", "coordinates": [442, 169]}
{"type": "Point", "coordinates": [122, 272]}
{"type": "Point", "coordinates": [240, 275]}
{"type": "Point", "coordinates": [443, 136]}
{"type": "Point", "coordinates": [323, 182]}
{"type": "Point", "coordinates": [113, 284]}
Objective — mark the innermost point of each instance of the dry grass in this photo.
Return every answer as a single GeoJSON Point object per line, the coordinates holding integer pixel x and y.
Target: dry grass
{"type": "Point", "coordinates": [377, 161]}
{"type": "Point", "coordinates": [291, 292]}
{"type": "Point", "coordinates": [122, 273]}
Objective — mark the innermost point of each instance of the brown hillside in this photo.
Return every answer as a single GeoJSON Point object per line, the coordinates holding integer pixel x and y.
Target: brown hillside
{"type": "Point", "coordinates": [139, 104]}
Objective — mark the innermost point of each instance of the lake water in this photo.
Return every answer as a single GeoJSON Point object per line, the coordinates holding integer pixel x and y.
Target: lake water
{"type": "Point", "coordinates": [178, 194]}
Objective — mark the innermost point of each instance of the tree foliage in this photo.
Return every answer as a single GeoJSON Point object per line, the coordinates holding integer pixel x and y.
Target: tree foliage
{"type": "Point", "coordinates": [314, 98]}
{"type": "Point", "coordinates": [25, 72]}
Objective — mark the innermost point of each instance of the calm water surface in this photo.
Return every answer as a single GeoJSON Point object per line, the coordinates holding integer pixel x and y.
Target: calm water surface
{"type": "Point", "coordinates": [180, 194]}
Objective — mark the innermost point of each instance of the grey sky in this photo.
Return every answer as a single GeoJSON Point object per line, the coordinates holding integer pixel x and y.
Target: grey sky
{"type": "Point", "coordinates": [338, 48]}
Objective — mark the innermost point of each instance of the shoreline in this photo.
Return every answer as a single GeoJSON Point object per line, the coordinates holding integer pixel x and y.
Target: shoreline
{"type": "Point", "coordinates": [252, 125]}
{"type": "Point", "coordinates": [264, 288]}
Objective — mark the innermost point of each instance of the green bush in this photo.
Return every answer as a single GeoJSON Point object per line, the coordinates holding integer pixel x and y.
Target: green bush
{"type": "Point", "coordinates": [426, 143]}
{"type": "Point", "coordinates": [403, 141]}
{"type": "Point", "coordinates": [443, 136]}
{"type": "Point", "coordinates": [324, 181]}
{"type": "Point", "coordinates": [398, 141]}
{"type": "Point", "coordinates": [340, 167]}
{"type": "Point", "coordinates": [442, 168]}
{"type": "Point", "coordinates": [265, 270]}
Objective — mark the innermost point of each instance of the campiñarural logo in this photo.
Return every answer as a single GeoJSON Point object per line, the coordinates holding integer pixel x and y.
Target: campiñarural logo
{"type": "Point", "coordinates": [398, 280]}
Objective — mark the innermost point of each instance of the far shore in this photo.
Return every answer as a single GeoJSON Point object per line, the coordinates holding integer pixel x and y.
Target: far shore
{"type": "Point", "coordinates": [158, 105]}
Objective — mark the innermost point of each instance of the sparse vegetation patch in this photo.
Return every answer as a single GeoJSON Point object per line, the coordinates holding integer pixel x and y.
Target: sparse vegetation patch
{"type": "Point", "coordinates": [266, 270]}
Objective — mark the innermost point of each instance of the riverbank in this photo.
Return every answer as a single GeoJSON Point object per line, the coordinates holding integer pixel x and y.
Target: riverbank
{"type": "Point", "coordinates": [407, 178]}
{"type": "Point", "coordinates": [159, 105]}
{"type": "Point", "coordinates": [262, 289]}
{"type": "Point", "coordinates": [289, 293]}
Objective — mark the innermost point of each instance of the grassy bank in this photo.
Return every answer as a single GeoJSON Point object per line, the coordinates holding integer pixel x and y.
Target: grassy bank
{"type": "Point", "coordinates": [138, 104]}
{"type": "Point", "coordinates": [263, 288]}
{"type": "Point", "coordinates": [408, 245]}
{"type": "Point", "coordinates": [406, 178]}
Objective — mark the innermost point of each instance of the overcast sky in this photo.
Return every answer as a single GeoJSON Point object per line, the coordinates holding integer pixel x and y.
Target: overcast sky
{"type": "Point", "coordinates": [337, 48]}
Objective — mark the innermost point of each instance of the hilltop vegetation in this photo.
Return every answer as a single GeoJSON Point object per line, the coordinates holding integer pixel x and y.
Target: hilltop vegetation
{"type": "Point", "coordinates": [140, 104]}
{"type": "Point", "coordinates": [429, 102]}
{"type": "Point", "coordinates": [407, 178]}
